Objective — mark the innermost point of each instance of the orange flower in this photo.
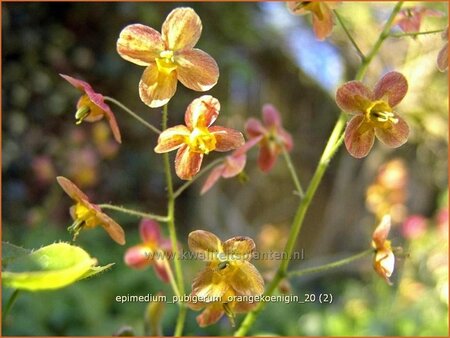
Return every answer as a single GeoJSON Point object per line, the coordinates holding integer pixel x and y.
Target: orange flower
{"type": "Point", "coordinates": [168, 57]}
{"type": "Point", "coordinates": [152, 251]}
{"type": "Point", "coordinates": [442, 59]}
{"type": "Point", "coordinates": [227, 277]}
{"type": "Point", "coordinates": [321, 12]}
{"type": "Point", "coordinates": [410, 19]}
{"type": "Point", "coordinates": [87, 214]}
{"type": "Point", "coordinates": [92, 107]}
{"type": "Point", "coordinates": [384, 259]}
{"type": "Point", "coordinates": [197, 137]}
{"type": "Point", "coordinates": [374, 113]}
{"type": "Point", "coordinates": [274, 137]}
{"type": "Point", "coordinates": [232, 165]}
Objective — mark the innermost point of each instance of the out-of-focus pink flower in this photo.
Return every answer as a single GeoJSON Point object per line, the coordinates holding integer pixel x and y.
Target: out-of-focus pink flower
{"type": "Point", "coordinates": [384, 259]}
{"type": "Point", "coordinates": [414, 226]}
{"type": "Point", "coordinates": [442, 221]}
{"type": "Point", "coordinates": [43, 169]}
{"type": "Point", "coordinates": [374, 113]}
{"type": "Point", "coordinates": [168, 56]}
{"type": "Point", "coordinates": [197, 138]}
{"type": "Point", "coordinates": [410, 19]}
{"type": "Point", "coordinates": [232, 165]}
{"type": "Point", "coordinates": [274, 137]}
{"type": "Point", "coordinates": [154, 250]}
{"type": "Point", "coordinates": [322, 15]}
{"type": "Point", "coordinates": [88, 215]}
{"type": "Point", "coordinates": [92, 107]}
{"type": "Point", "coordinates": [442, 59]}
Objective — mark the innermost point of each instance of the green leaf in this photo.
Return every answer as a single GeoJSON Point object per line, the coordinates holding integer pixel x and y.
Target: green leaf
{"type": "Point", "coordinates": [10, 252]}
{"type": "Point", "coordinates": [51, 267]}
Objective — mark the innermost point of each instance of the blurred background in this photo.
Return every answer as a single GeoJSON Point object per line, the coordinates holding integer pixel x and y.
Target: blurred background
{"type": "Point", "coordinates": [265, 55]}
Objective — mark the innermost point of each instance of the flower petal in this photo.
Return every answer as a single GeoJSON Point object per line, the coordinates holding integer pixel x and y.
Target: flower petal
{"type": "Point", "coordinates": [79, 84]}
{"type": "Point", "coordinates": [113, 229]}
{"type": "Point", "coordinates": [254, 128]}
{"type": "Point", "coordinates": [161, 270]}
{"type": "Point", "coordinates": [240, 247]}
{"type": "Point", "coordinates": [442, 59]}
{"type": "Point", "coordinates": [172, 138]}
{"type": "Point", "coordinates": [202, 112]}
{"type": "Point", "coordinates": [139, 44]}
{"type": "Point", "coordinates": [247, 280]}
{"type": "Point", "coordinates": [286, 138]}
{"type": "Point", "coordinates": [210, 315]}
{"type": "Point", "coordinates": [381, 232]}
{"type": "Point", "coordinates": [213, 177]}
{"type": "Point", "coordinates": [234, 165]}
{"type": "Point", "coordinates": [271, 116]}
{"type": "Point", "coordinates": [181, 29]}
{"type": "Point", "coordinates": [322, 21]}
{"type": "Point", "coordinates": [384, 264]}
{"type": "Point", "coordinates": [205, 244]}
{"type": "Point", "coordinates": [138, 256]}
{"type": "Point", "coordinates": [353, 97]}
{"type": "Point", "coordinates": [247, 146]}
{"type": "Point", "coordinates": [227, 138]}
{"type": "Point", "coordinates": [150, 231]}
{"type": "Point", "coordinates": [207, 284]}
{"type": "Point", "coordinates": [187, 163]}
{"type": "Point", "coordinates": [267, 156]}
{"type": "Point", "coordinates": [157, 88]}
{"type": "Point", "coordinates": [197, 70]}
{"type": "Point", "coordinates": [71, 189]}
{"type": "Point", "coordinates": [392, 87]}
{"type": "Point", "coordinates": [394, 135]}
{"type": "Point", "coordinates": [359, 137]}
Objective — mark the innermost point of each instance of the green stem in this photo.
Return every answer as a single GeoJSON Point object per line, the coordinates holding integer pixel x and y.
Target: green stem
{"type": "Point", "coordinates": [414, 34]}
{"type": "Point", "coordinates": [350, 37]}
{"type": "Point", "coordinates": [172, 232]}
{"type": "Point", "coordinates": [330, 149]}
{"type": "Point", "coordinates": [9, 305]}
{"type": "Point", "coordinates": [133, 114]}
{"type": "Point", "coordinates": [288, 160]}
{"type": "Point", "coordinates": [172, 281]}
{"type": "Point", "coordinates": [331, 265]}
{"type": "Point", "coordinates": [200, 173]}
{"type": "Point", "coordinates": [384, 34]}
{"type": "Point", "coordinates": [134, 212]}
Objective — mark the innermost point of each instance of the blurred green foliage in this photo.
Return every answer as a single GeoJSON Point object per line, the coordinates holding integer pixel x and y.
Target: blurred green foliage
{"type": "Point", "coordinates": [257, 48]}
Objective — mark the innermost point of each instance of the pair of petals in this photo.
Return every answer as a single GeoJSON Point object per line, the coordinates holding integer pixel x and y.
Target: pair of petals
{"type": "Point", "coordinates": [96, 104]}
{"type": "Point", "coordinates": [144, 46]}
{"type": "Point", "coordinates": [322, 15]}
{"type": "Point", "coordinates": [410, 19]}
{"type": "Point", "coordinates": [355, 98]}
{"type": "Point", "coordinates": [113, 229]}
{"type": "Point", "coordinates": [232, 165]}
{"type": "Point", "coordinates": [274, 137]}
{"type": "Point", "coordinates": [199, 116]}
{"type": "Point", "coordinates": [384, 260]}
{"type": "Point", "coordinates": [152, 250]}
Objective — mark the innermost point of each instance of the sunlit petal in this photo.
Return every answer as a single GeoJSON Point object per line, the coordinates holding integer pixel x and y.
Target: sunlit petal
{"type": "Point", "coordinates": [354, 97]}
{"type": "Point", "coordinates": [381, 232]}
{"type": "Point", "coordinates": [442, 60]}
{"type": "Point", "coordinates": [359, 137]}
{"type": "Point", "coordinates": [187, 163]}
{"type": "Point", "coordinates": [322, 22]}
{"type": "Point", "coordinates": [202, 112]}
{"type": "Point", "coordinates": [395, 134]}
{"type": "Point", "coordinates": [239, 247]}
{"type": "Point", "coordinates": [391, 87]}
{"type": "Point", "coordinates": [204, 243]}
{"type": "Point", "coordinates": [247, 280]}
{"type": "Point", "coordinates": [227, 138]}
{"type": "Point", "coordinates": [181, 29]}
{"type": "Point", "coordinates": [139, 44]}
{"type": "Point", "coordinates": [197, 70]}
{"type": "Point", "coordinates": [172, 138]}
{"type": "Point", "coordinates": [157, 88]}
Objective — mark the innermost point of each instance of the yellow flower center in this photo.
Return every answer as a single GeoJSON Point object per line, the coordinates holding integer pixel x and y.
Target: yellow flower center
{"type": "Point", "coordinates": [201, 141]}
{"type": "Point", "coordinates": [166, 62]}
{"type": "Point", "coordinates": [380, 114]}
{"type": "Point", "coordinates": [85, 215]}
